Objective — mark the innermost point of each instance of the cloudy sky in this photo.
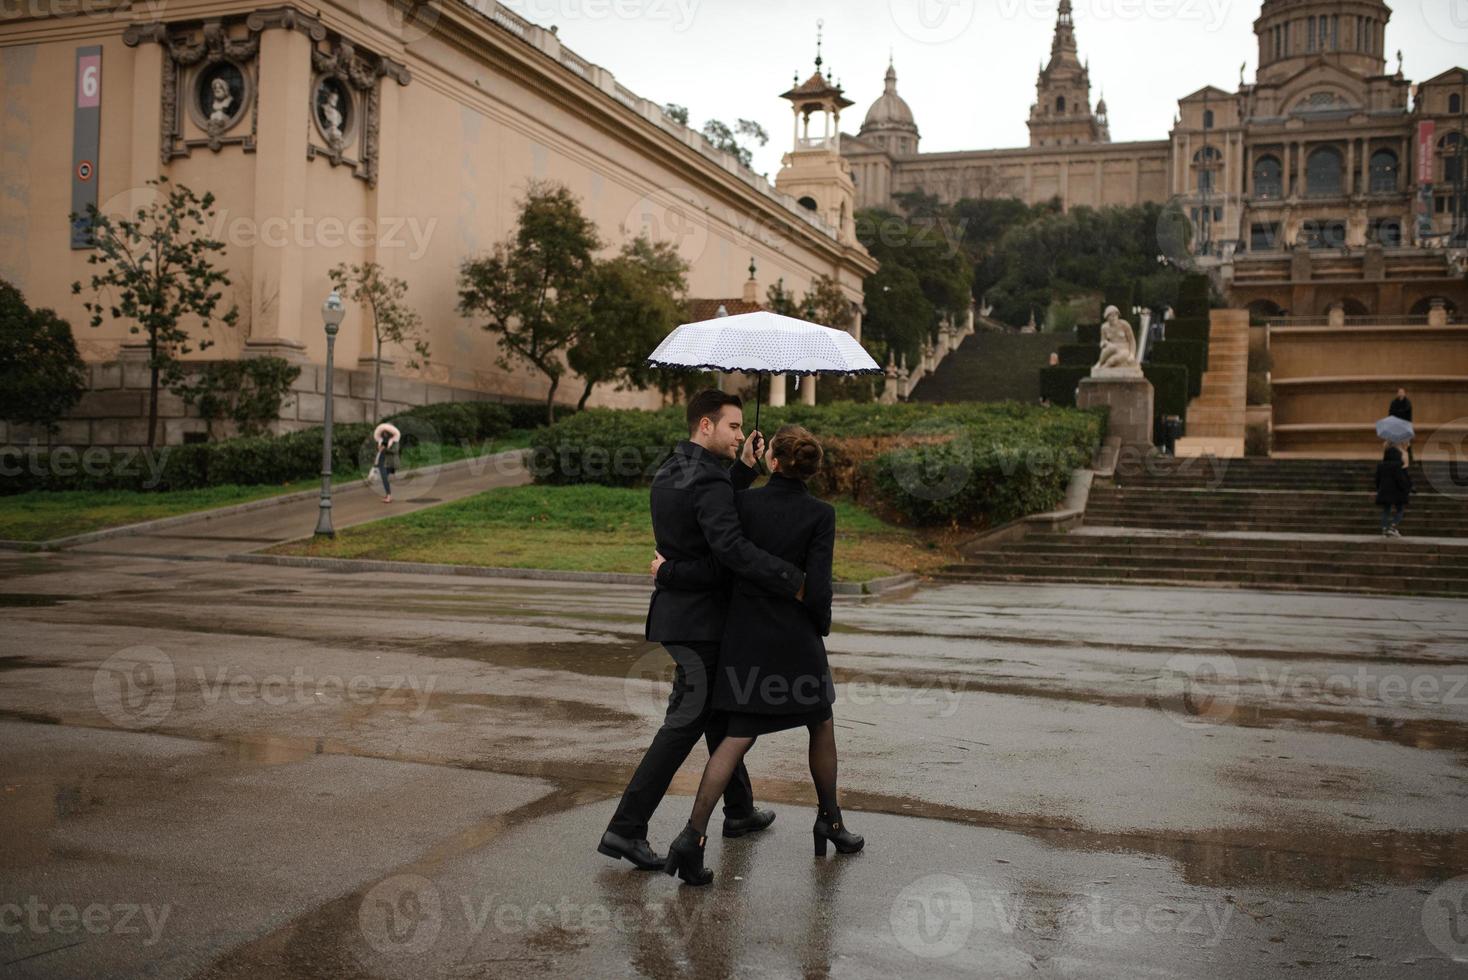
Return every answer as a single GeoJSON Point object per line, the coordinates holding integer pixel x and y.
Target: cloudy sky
{"type": "Point", "coordinates": [967, 67]}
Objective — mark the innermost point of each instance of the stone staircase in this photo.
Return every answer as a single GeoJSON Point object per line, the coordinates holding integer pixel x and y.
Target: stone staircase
{"type": "Point", "coordinates": [989, 367]}
{"type": "Point", "coordinates": [1307, 525]}
{"type": "Point", "coordinates": [1215, 421]}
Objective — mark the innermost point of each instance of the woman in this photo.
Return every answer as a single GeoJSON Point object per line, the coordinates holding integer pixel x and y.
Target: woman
{"type": "Point", "coordinates": [386, 436]}
{"type": "Point", "coordinates": [1393, 488]}
{"type": "Point", "coordinates": [772, 672]}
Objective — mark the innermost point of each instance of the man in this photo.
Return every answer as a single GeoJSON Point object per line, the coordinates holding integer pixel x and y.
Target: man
{"type": "Point", "coordinates": [693, 517]}
{"type": "Point", "coordinates": [1401, 407]}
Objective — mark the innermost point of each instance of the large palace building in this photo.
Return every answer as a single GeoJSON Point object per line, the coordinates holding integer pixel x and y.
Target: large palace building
{"type": "Point", "coordinates": [1330, 181]}
{"type": "Point", "coordinates": [347, 131]}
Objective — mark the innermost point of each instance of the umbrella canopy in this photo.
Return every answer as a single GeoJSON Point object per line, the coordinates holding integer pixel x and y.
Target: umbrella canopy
{"type": "Point", "coordinates": [763, 343]}
{"type": "Point", "coordinates": [1393, 429]}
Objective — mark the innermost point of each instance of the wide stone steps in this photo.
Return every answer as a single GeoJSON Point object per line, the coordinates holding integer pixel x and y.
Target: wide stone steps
{"type": "Point", "coordinates": [1335, 476]}
{"type": "Point", "coordinates": [1379, 565]}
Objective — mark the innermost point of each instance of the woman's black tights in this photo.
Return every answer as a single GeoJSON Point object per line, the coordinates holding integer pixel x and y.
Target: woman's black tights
{"type": "Point", "coordinates": [730, 753]}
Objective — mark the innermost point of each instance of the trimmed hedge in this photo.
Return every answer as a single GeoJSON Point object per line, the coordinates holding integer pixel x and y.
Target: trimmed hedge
{"type": "Point", "coordinates": [920, 463]}
{"type": "Point", "coordinates": [1089, 334]}
{"type": "Point", "coordinates": [1188, 353]}
{"type": "Point", "coordinates": [1058, 384]}
{"type": "Point", "coordinates": [1077, 355]}
{"type": "Point", "coordinates": [1169, 388]}
{"type": "Point", "coordinates": [246, 461]}
{"type": "Point", "coordinates": [1192, 295]}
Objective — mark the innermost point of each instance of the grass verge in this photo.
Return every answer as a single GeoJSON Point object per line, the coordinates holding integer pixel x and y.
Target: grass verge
{"type": "Point", "coordinates": [593, 529]}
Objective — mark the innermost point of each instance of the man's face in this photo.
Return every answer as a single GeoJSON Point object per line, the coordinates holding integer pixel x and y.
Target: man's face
{"type": "Point", "coordinates": [1401, 392]}
{"type": "Point", "coordinates": [724, 432]}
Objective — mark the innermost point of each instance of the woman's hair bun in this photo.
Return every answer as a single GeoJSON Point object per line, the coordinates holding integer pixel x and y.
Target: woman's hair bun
{"type": "Point", "coordinates": [797, 451]}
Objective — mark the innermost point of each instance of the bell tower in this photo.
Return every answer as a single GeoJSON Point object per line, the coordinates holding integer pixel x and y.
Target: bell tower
{"type": "Point", "coordinates": [1061, 115]}
{"type": "Point", "coordinates": [813, 172]}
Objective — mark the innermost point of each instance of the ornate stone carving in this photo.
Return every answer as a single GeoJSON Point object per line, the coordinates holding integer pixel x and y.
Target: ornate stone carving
{"type": "Point", "coordinates": [345, 104]}
{"type": "Point", "coordinates": [209, 73]}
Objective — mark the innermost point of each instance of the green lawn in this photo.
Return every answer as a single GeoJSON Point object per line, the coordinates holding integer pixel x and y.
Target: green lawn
{"type": "Point", "coordinates": [586, 528]}
{"type": "Point", "coordinates": [42, 515]}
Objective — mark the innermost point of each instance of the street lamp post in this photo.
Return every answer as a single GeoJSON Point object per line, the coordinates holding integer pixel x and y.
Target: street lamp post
{"type": "Point", "coordinates": [332, 313]}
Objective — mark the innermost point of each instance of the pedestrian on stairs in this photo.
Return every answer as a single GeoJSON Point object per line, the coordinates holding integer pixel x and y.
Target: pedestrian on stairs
{"type": "Point", "coordinates": [1393, 487]}
{"type": "Point", "coordinates": [1401, 408]}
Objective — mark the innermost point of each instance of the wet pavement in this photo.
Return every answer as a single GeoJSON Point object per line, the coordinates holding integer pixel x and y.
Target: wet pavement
{"type": "Point", "coordinates": [226, 770]}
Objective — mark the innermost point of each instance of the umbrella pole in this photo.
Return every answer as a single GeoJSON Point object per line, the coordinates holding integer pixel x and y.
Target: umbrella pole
{"type": "Point", "coordinates": [759, 386]}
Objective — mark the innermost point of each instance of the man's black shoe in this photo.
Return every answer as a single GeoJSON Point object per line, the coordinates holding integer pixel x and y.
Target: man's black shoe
{"type": "Point", "coordinates": [756, 821]}
{"type": "Point", "coordinates": [639, 852]}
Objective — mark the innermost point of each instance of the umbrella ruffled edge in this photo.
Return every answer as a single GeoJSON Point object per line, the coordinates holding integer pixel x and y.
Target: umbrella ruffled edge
{"type": "Point", "coordinates": [679, 366]}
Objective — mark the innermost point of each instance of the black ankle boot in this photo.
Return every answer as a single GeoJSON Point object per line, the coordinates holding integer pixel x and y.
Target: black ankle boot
{"type": "Point", "coordinates": [685, 858]}
{"type": "Point", "coordinates": [830, 827]}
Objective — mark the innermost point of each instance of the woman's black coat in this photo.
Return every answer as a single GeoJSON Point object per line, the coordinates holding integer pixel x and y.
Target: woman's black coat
{"type": "Point", "coordinates": [1393, 482]}
{"type": "Point", "coordinates": [773, 660]}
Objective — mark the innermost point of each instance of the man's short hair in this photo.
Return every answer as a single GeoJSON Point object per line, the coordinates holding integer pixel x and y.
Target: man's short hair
{"type": "Point", "coordinates": [707, 404]}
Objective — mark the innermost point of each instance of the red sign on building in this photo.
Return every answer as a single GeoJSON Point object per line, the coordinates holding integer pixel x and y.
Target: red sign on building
{"type": "Point", "coordinates": [1425, 131]}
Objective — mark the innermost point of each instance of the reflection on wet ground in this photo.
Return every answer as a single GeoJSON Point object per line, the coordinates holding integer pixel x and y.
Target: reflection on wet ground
{"type": "Point", "coordinates": [1064, 719]}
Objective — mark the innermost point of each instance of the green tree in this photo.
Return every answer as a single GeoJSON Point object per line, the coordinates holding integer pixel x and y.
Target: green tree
{"type": "Point", "coordinates": [41, 374]}
{"type": "Point", "coordinates": [534, 290]}
{"type": "Point", "coordinates": [157, 268]}
{"type": "Point", "coordinates": [780, 300]}
{"type": "Point", "coordinates": [247, 392]}
{"type": "Point", "coordinates": [731, 139]}
{"type": "Point", "coordinates": [637, 298]}
{"type": "Point", "coordinates": [677, 113]}
{"type": "Point", "coordinates": [393, 322]}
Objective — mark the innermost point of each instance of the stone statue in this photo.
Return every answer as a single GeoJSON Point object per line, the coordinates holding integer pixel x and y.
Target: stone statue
{"type": "Point", "coordinates": [331, 117]}
{"type": "Point", "coordinates": [1118, 348]}
{"type": "Point", "coordinates": [219, 108]}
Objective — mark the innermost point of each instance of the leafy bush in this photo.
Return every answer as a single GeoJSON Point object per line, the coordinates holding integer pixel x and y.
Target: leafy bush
{"type": "Point", "coordinates": [1258, 389]}
{"type": "Point", "coordinates": [1257, 439]}
{"type": "Point", "coordinates": [531, 415]}
{"type": "Point", "coordinates": [1194, 328]}
{"type": "Point", "coordinates": [1188, 353]}
{"type": "Point", "coordinates": [1192, 295]}
{"type": "Point", "coordinates": [249, 460]}
{"type": "Point", "coordinates": [1058, 384]}
{"type": "Point", "coordinates": [968, 463]}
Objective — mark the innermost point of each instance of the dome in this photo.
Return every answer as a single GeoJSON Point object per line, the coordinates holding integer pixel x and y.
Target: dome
{"type": "Point", "coordinates": [889, 111]}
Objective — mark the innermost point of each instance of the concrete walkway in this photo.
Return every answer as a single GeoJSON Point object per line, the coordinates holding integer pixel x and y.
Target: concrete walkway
{"type": "Point", "coordinates": [353, 503]}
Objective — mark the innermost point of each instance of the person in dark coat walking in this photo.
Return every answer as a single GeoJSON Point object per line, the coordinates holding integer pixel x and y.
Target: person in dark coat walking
{"type": "Point", "coordinates": [694, 520]}
{"type": "Point", "coordinates": [1401, 408]}
{"type": "Point", "coordinates": [773, 673]}
{"type": "Point", "coordinates": [1393, 488]}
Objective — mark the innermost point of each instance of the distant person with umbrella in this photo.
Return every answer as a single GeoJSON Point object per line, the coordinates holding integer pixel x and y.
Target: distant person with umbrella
{"type": "Point", "coordinates": [1401, 408]}
{"type": "Point", "coordinates": [693, 519]}
{"type": "Point", "coordinates": [386, 436]}
{"type": "Point", "coordinates": [1393, 488]}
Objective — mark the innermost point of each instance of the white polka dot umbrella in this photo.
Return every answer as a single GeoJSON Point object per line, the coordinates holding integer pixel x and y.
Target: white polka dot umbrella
{"type": "Point", "coordinates": [762, 343]}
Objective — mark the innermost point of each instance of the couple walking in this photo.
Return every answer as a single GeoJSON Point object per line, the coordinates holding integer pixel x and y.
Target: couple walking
{"type": "Point", "coordinates": [742, 598]}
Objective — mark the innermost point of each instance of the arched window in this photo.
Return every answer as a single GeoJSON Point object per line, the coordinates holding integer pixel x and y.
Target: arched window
{"type": "Point", "coordinates": [1268, 178]}
{"type": "Point", "coordinates": [808, 203]}
{"type": "Point", "coordinates": [1207, 118]}
{"type": "Point", "coordinates": [1323, 172]}
{"type": "Point", "coordinates": [1383, 172]}
{"type": "Point", "coordinates": [1455, 103]}
{"type": "Point", "coordinates": [1060, 103]}
{"type": "Point", "coordinates": [1205, 162]}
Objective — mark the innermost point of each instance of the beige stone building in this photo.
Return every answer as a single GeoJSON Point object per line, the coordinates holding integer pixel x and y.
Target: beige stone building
{"type": "Point", "coordinates": [1329, 180]}
{"type": "Point", "coordinates": [355, 130]}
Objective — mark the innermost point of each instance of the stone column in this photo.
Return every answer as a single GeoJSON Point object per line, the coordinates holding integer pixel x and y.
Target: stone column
{"type": "Point", "coordinates": [808, 390]}
{"type": "Point", "coordinates": [283, 101]}
{"type": "Point", "coordinates": [1350, 167]}
{"type": "Point", "coordinates": [776, 391]}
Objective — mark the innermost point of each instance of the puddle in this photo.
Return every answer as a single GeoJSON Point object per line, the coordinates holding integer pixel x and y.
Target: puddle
{"type": "Point", "coordinates": [14, 599]}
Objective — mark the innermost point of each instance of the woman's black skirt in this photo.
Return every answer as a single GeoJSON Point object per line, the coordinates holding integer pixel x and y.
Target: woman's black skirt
{"type": "Point", "coordinates": [752, 724]}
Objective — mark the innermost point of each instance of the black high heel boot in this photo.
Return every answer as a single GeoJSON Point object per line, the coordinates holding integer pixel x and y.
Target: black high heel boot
{"type": "Point", "coordinates": [685, 858]}
{"type": "Point", "coordinates": [829, 827]}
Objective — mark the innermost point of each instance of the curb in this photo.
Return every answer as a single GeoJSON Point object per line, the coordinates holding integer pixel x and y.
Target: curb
{"type": "Point", "coordinates": [214, 513]}
{"type": "Point", "coordinates": [856, 590]}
